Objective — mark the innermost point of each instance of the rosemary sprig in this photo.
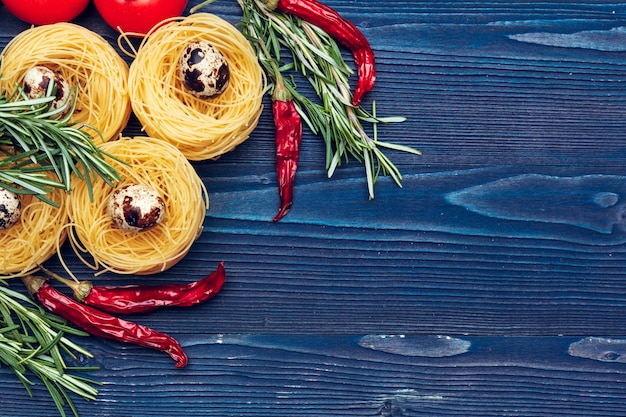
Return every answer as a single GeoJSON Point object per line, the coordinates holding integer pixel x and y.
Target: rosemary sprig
{"type": "Point", "coordinates": [31, 130]}
{"type": "Point", "coordinates": [32, 340]}
{"type": "Point", "coordinates": [17, 170]}
{"type": "Point", "coordinates": [316, 55]}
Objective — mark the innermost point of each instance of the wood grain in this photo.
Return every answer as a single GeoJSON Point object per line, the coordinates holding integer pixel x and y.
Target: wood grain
{"type": "Point", "coordinates": [351, 375]}
{"type": "Point", "coordinates": [491, 284]}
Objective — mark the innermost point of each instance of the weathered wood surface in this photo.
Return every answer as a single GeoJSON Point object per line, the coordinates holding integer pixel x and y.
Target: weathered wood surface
{"type": "Point", "coordinates": [493, 283]}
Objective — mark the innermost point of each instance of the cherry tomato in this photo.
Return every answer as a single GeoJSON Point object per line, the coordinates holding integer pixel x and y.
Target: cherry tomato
{"type": "Point", "coordinates": [44, 12]}
{"type": "Point", "coordinates": [138, 16]}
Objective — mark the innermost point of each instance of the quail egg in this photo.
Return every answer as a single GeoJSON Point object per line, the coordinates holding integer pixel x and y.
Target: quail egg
{"type": "Point", "coordinates": [203, 70]}
{"type": "Point", "coordinates": [10, 208]}
{"type": "Point", "coordinates": [37, 81]}
{"type": "Point", "coordinates": [136, 207]}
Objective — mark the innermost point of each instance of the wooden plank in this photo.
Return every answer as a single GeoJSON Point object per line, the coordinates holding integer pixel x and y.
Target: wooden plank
{"type": "Point", "coordinates": [354, 375]}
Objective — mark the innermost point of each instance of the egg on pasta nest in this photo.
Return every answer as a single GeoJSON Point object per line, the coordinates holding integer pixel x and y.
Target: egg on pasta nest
{"type": "Point", "coordinates": [86, 61]}
{"type": "Point", "coordinates": [145, 224]}
{"type": "Point", "coordinates": [202, 127]}
{"type": "Point", "coordinates": [31, 230]}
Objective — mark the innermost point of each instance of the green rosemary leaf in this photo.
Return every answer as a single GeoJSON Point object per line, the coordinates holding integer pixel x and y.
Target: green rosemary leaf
{"type": "Point", "coordinates": [368, 170]}
{"type": "Point", "coordinates": [384, 120]}
{"type": "Point", "coordinates": [56, 395]}
{"type": "Point", "coordinates": [388, 167]}
{"type": "Point", "coordinates": [334, 160]}
{"type": "Point", "coordinates": [48, 348]}
{"type": "Point", "coordinates": [89, 183]}
{"type": "Point", "coordinates": [30, 187]}
{"type": "Point", "coordinates": [398, 147]}
{"type": "Point", "coordinates": [10, 325]}
{"type": "Point", "coordinates": [70, 403]}
{"type": "Point", "coordinates": [9, 328]}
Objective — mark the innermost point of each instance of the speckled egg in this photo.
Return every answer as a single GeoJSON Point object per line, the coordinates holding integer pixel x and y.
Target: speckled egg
{"type": "Point", "coordinates": [10, 208]}
{"type": "Point", "coordinates": [36, 82]}
{"type": "Point", "coordinates": [136, 207]}
{"type": "Point", "coordinates": [203, 69]}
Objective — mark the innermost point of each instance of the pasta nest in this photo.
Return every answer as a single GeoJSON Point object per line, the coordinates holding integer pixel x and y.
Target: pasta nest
{"type": "Point", "coordinates": [156, 164]}
{"type": "Point", "coordinates": [86, 60]}
{"type": "Point", "coordinates": [36, 236]}
{"type": "Point", "coordinates": [201, 128]}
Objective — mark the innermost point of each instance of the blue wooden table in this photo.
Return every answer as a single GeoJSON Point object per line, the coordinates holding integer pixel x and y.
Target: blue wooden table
{"type": "Point", "coordinates": [492, 284]}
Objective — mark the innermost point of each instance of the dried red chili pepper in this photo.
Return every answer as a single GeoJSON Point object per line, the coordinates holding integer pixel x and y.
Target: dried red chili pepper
{"type": "Point", "coordinates": [340, 29]}
{"type": "Point", "coordinates": [288, 137]}
{"type": "Point", "coordinates": [102, 324]}
{"type": "Point", "coordinates": [143, 298]}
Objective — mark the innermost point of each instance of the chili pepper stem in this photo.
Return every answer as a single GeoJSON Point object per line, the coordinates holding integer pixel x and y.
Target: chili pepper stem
{"type": "Point", "coordinates": [80, 289]}
{"type": "Point", "coordinates": [199, 6]}
{"type": "Point", "coordinates": [280, 93]}
{"type": "Point", "coordinates": [33, 283]}
{"type": "Point", "coordinates": [271, 4]}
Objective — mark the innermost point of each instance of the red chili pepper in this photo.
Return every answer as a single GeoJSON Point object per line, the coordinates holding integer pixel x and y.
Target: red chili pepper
{"type": "Point", "coordinates": [101, 324]}
{"type": "Point", "coordinates": [288, 137]}
{"type": "Point", "coordinates": [340, 29]}
{"type": "Point", "coordinates": [145, 299]}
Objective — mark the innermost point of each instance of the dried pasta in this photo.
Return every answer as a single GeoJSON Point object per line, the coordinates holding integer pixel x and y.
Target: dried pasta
{"type": "Point", "coordinates": [35, 237]}
{"type": "Point", "coordinates": [85, 60]}
{"type": "Point", "coordinates": [159, 165]}
{"type": "Point", "coordinates": [200, 128]}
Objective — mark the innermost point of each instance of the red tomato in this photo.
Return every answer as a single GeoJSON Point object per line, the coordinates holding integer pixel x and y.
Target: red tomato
{"type": "Point", "coordinates": [138, 16]}
{"type": "Point", "coordinates": [43, 12]}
